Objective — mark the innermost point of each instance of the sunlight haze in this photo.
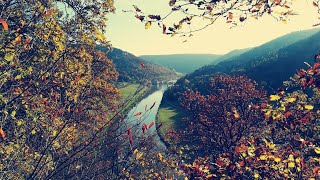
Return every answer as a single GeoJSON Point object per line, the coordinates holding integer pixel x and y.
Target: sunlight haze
{"type": "Point", "coordinates": [127, 33]}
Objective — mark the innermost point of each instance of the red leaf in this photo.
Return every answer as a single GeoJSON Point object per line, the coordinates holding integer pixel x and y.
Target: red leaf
{"type": "Point", "coordinates": [220, 162]}
{"type": "Point", "coordinates": [137, 114]}
{"type": "Point", "coordinates": [241, 163]}
{"type": "Point", "coordinates": [48, 12]}
{"type": "Point", "coordinates": [287, 114]}
{"type": "Point", "coordinates": [130, 136]}
{"type": "Point", "coordinates": [4, 24]}
{"type": "Point", "coordinates": [303, 83]}
{"type": "Point", "coordinates": [144, 128]}
{"type": "Point", "coordinates": [151, 124]}
{"type": "Point", "coordinates": [316, 65]}
{"type": "Point", "coordinates": [142, 65]}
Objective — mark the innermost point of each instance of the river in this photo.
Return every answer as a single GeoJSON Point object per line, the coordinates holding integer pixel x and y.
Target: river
{"type": "Point", "coordinates": [145, 112]}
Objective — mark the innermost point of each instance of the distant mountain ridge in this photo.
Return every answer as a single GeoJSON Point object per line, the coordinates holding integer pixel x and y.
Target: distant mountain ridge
{"type": "Point", "coordinates": [184, 63]}
{"type": "Point", "coordinates": [269, 64]}
{"type": "Point", "coordinates": [135, 69]}
{"type": "Point", "coordinates": [230, 55]}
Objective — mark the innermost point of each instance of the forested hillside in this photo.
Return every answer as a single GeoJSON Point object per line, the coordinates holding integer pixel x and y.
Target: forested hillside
{"type": "Point", "coordinates": [269, 64]}
{"type": "Point", "coordinates": [135, 69]}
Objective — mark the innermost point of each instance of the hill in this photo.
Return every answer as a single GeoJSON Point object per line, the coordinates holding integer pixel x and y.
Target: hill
{"type": "Point", "coordinates": [130, 67]}
{"type": "Point", "coordinates": [230, 55]}
{"type": "Point", "coordinates": [269, 64]}
{"type": "Point", "coordinates": [272, 62]}
{"type": "Point", "coordinates": [183, 63]}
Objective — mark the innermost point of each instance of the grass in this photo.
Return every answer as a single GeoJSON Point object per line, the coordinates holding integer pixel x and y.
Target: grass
{"type": "Point", "coordinates": [128, 90]}
{"type": "Point", "coordinates": [170, 118]}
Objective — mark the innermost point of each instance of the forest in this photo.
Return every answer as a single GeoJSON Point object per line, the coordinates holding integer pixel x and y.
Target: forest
{"type": "Point", "coordinates": [72, 106]}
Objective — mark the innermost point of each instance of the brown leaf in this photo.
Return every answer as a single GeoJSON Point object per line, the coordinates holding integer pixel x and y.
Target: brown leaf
{"type": "Point", "coordinates": [164, 29]}
{"type": "Point", "coordinates": [172, 2]}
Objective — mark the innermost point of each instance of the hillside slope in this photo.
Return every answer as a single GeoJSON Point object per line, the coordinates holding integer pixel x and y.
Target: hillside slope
{"type": "Point", "coordinates": [269, 64]}
{"type": "Point", "coordinates": [130, 69]}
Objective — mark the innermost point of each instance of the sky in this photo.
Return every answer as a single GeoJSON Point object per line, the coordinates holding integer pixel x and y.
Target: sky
{"type": "Point", "coordinates": [129, 34]}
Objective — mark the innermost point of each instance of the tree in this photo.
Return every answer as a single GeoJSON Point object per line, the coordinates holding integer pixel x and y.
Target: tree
{"type": "Point", "coordinates": [208, 12]}
{"type": "Point", "coordinates": [225, 114]}
{"type": "Point", "coordinates": [57, 91]}
{"type": "Point", "coordinates": [287, 145]}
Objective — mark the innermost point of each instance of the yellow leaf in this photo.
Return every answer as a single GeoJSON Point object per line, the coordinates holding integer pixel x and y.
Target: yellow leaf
{"type": "Point", "coordinates": [33, 131]}
{"type": "Point", "coordinates": [291, 165]}
{"type": "Point", "coordinates": [276, 159]}
{"type": "Point", "coordinates": [99, 35]}
{"type": "Point", "coordinates": [274, 98]}
{"type": "Point", "coordinates": [135, 151]}
{"type": "Point", "coordinates": [13, 113]}
{"type": "Point", "coordinates": [256, 175]}
{"type": "Point", "coordinates": [160, 156]}
{"type": "Point", "coordinates": [270, 145]}
{"type": "Point", "coordinates": [317, 150]}
{"type": "Point", "coordinates": [291, 158]}
{"type": "Point", "coordinates": [147, 25]}
{"type": "Point", "coordinates": [211, 175]}
{"type": "Point", "coordinates": [284, 21]}
{"type": "Point", "coordinates": [54, 133]}
{"type": "Point", "coordinates": [139, 155]}
{"type": "Point", "coordinates": [263, 157]}
{"type": "Point", "coordinates": [290, 100]}
{"type": "Point", "coordinates": [308, 107]}
{"type": "Point", "coordinates": [19, 123]}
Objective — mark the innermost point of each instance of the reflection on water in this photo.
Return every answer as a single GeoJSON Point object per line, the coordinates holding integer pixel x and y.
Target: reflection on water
{"type": "Point", "coordinates": [143, 115]}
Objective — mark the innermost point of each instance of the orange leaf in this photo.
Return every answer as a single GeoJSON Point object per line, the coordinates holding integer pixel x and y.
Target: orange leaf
{"type": "Point", "coordinates": [230, 15]}
{"type": "Point", "coordinates": [48, 12]}
{"type": "Point", "coordinates": [2, 134]}
{"type": "Point", "coordinates": [316, 170]}
{"type": "Point", "coordinates": [4, 24]}
{"type": "Point", "coordinates": [236, 115]}
{"type": "Point", "coordinates": [241, 163]}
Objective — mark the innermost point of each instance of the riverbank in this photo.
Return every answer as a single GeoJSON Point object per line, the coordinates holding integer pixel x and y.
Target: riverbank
{"type": "Point", "coordinates": [169, 116]}
{"type": "Point", "coordinates": [130, 89]}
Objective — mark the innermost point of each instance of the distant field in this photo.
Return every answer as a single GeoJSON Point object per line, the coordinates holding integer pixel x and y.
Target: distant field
{"type": "Point", "coordinates": [128, 89]}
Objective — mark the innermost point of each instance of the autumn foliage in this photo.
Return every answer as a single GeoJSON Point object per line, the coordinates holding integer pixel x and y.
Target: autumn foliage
{"type": "Point", "coordinates": [286, 144]}
{"type": "Point", "coordinates": [226, 113]}
{"type": "Point", "coordinates": [57, 91]}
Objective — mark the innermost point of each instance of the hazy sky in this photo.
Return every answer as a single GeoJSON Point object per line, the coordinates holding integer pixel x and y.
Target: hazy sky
{"type": "Point", "coordinates": [129, 34]}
